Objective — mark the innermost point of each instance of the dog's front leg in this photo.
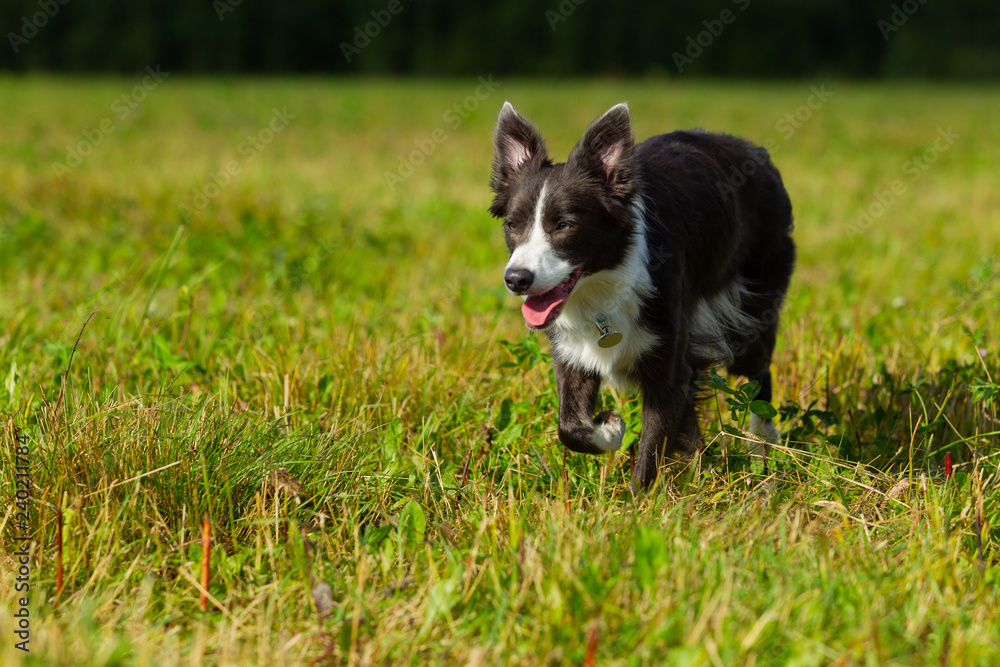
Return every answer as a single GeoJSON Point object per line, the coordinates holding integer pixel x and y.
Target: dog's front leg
{"type": "Point", "coordinates": [578, 429]}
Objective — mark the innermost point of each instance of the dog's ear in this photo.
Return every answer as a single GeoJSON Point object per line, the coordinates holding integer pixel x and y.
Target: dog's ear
{"type": "Point", "coordinates": [516, 144]}
{"type": "Point", "coordinates": [604, 152]}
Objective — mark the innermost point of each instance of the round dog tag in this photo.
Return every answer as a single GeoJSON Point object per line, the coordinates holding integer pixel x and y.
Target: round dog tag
{"type": "Point", "coordinates": [609, 339]}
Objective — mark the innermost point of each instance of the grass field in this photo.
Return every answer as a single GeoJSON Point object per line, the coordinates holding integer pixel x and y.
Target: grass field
{"type": "Point", "coordinates": [259, 295]}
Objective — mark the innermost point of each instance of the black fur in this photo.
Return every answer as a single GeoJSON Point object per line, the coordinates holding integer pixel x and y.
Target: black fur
{"type": "Point", "coordinates": [717, 215]}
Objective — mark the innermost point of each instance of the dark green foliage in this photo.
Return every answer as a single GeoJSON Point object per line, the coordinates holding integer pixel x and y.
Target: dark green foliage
{"type": "Point", "coordinates": [763, 38]}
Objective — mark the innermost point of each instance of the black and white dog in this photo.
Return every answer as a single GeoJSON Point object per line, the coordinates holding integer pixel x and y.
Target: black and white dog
{"type": "Point", "coordinates": [644, 265]}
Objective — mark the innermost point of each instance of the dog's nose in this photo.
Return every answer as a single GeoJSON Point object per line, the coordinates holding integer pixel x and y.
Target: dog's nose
{"type": "Point", "coordinates": [518, 280]}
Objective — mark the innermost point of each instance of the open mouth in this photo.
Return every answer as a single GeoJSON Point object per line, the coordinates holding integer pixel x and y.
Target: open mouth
{"type": "Point", "coordinates": [542, 309]}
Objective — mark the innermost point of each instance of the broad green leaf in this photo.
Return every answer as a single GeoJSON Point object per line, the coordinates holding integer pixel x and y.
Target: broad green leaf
{"type": "Point", "coordinates": [503, 419]}
{"type": "Point", "coordinates": [763, 409]}
{"type": "Point", "coordinates": [412, 523]}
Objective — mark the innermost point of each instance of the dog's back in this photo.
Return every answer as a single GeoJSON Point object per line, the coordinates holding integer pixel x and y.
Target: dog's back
{"type": "Point", "coordinates": [718, 204]}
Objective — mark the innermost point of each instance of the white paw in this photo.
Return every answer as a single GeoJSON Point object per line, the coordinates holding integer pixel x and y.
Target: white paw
{"type": "Point", "coordinates": [609, 429]}
{"type": "Point", "coordinates": [764, 428]}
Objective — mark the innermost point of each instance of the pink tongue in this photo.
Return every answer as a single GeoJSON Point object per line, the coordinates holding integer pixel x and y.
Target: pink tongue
{"type": "Point", "coordinates": [538, 310]}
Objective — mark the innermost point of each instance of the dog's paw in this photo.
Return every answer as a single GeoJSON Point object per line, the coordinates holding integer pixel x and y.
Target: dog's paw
{"type": "Point", "coordinates": [609, 429]}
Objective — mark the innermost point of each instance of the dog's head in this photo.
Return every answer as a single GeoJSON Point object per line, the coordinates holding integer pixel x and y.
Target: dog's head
{"type": "Point", "coordinates": [563, 222]}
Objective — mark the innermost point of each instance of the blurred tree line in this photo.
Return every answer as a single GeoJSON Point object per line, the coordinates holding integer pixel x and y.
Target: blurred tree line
{"type": "Point", "coordinates": [758, 38]}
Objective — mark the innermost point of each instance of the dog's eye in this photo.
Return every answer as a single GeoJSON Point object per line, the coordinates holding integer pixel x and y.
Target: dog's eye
{"type": "Point", "coordinates": [563, 225]}
{"type": "Point", "coordinates": [511, 226]}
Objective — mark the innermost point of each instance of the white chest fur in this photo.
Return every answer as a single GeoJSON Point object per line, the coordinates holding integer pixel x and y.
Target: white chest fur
{"type": "Point", "coordinates": [618, 295]}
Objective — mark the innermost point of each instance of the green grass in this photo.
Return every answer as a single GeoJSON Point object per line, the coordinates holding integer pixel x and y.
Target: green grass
{"type": "Point", "coordinates": [311, 318]}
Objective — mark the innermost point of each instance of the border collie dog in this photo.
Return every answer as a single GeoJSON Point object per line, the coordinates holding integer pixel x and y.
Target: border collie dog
{"type": "Point", "coordinates": [645, 265]}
